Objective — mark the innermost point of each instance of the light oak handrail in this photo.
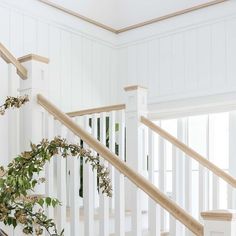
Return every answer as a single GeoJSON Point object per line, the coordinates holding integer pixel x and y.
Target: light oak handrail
{"type": "Point", "coordinates": [96, 110]}
{"type": "Point", "coordinates": [160, 198]}
{"type": "Point", "coordinates": [10, 59]}
{"type": "Point", "coordinates": [190, 152]}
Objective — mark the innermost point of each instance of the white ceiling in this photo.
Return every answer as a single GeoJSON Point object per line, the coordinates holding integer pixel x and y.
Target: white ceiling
{"type": "Point", "coordinates": [122, 13]}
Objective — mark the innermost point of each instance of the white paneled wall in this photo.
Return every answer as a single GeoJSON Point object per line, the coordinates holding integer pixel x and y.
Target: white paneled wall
{"type": "Point", "coordinates": [188, 62]}
{"type": "Point", "coordinates": [81, 67]}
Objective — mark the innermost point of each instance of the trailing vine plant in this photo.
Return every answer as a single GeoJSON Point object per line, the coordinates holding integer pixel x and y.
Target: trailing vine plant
{"type": "Point", "coordinates": [21, 176]}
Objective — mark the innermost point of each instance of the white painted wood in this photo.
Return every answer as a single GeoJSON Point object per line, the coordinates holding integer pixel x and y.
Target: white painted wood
{"type": "Point", "coordinates": [112, 143]}
{"type": "Point", "coordinates": [61, 182]}
{"type": "Point", "coordinates": [204, 176]}
{"type": "Point", "coordinates": [50, 167]}
{"type": "Point", "coordinates": [135, 106]}
{"type": "Point", "coordinates": [88, 191]}
{"type": "Point", "coordinates": [73, 188]}
{"type": "Point", "coordinates": [215, 192]}
{"type": "Point", "coordinates": [94, 123]}
{"type": "Point", "coordinates": [103, 200]}
{"type": "Point", "coordinates": [162, 178]}
{"type": "Point", "coordinates": [119, 182]}
{"type": "Point", "coordinates": [218, 226]}
{"type": "Point", "coordinates": [153, 208]}
{"type": "Point", "coordinates": [232, 161]}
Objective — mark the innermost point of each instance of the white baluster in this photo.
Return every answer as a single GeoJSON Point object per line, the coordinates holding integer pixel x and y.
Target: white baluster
{"type": "Point", "coordinates": [232, 159]}
{"type": "Point", "coordinates": [49, 168]}
{"type": "Point", "coordinates": [175, 188]}
{"type": "Point", "coordinates": [119, 183]}
{"type": "Point", "coordinates": [88, 191]}
{"type": "Point", "coordinates": [215, 192]}
{"type": "Point", "coordinates": [112, 147]}
{"type": "Point", "coordinates": [162, 177]}
{"type": "Point", "coordinates": [153, 208]}
{"type": "Point", "coordinates": [95, 135]}
{"type": "Point", "coordinates": [61, 183]}
{"type": "Point", "coordinates": [103, 200]}
{"type": "Point", "coordinates": [204, 176]}
{"type": "Point", "coordinates": [74, 185]}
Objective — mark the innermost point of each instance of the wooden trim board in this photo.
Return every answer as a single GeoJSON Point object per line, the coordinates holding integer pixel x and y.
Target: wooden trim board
{"type": "Point", "coordinates": [135, 26]}
{"type": "Point", "coordinates": [96, 110]}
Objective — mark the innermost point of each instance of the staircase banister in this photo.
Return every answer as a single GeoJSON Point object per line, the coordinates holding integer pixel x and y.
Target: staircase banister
{"type": "Point", "coordinates": [160, 198]}
{"type": "Point", "coordinates": [9, 58]}
{"type": "Point", "coordinates": [96, 110]}
{"type": "Point", "coordinates": [190, 152]}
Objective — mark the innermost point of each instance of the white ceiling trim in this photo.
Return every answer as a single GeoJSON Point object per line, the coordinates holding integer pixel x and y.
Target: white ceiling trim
{"type": "Point", "coordinates": [135, 26]}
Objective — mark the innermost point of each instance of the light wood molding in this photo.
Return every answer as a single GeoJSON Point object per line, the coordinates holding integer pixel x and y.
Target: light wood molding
{"type": "Point", "coordinates": [190, 152]}
{"type": "Point", "coordinates": [96, 110]}
{"type": "Point", "coordinates": [160, 198]}
{"type": "Point", "coordinates": [77, 15]}
{"type": "Point", "coordinates": [171, 15]}
{"type": "Point", "coordinates": [135, 26]}
{"type": "Point", "coordinates": [134, 87]}
{"type": "Point", "coordinates": [219, 215]}
{"type": "Point", "coordinates": [10, 59]}
{"type": "Point", "coordinates": [34, 57]}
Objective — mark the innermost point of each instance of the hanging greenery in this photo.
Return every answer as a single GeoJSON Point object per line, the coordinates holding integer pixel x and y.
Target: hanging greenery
{"type": "Point", "coordinates": [21, 176]}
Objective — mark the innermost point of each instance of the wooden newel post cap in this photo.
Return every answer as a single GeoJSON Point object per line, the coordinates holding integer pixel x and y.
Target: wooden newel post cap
{"type": "Point", "coordinates": [219, 215]}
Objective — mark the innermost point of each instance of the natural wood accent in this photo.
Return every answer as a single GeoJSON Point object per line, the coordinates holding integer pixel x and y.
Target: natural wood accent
{"type": "Point", "coordinates": [34, 57]}
{"type": "Point", "coordinates": [190, 152]}
{"type": "Point", "coordinates": [96, 110]}
{"type": "Point", "coordinates": [75, 14]}
{"type": "Point", "coordinates": [10, 59]}
{"type": "Point", "coordinates": [160, 198]}
{"type": "Point", "coordinates": [133, 87]}
{"type": "Point", "coordinates": [171, 15]}
{"type": "Point", "coordinates": [135, 26]}
{"type": "Point", "coordinates": [219, 215]}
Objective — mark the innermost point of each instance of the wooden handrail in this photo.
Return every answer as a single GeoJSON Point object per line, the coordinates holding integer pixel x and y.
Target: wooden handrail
{"type": "Point", "coordinates": [190, 152]}
{"type": "Point", "coordinates": [9, 58]}
{"type": "Point", "coordinates": [160, 198]}
{"type": "Point", "coordinates": [96, 110]}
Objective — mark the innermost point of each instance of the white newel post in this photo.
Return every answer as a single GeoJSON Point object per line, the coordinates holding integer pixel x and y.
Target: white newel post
{"type": "Point", "coordinates": [32, 115]}
{"type": "Point", "coordinates": [136, 106]}
{"type": "Point", "coordinates": [219, 223]}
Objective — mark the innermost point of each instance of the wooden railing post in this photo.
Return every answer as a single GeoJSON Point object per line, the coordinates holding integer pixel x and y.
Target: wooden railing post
{"type": "Point", "coordinates": [136, 106]}
{"type": "Point", "coordinates": [219, 223]}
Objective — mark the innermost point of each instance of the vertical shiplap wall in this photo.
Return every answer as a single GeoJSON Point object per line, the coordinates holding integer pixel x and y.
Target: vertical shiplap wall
{"type": "Point", "coordinates": [192, 61]}
{"type": "Point", "coordinates": [82, 67]}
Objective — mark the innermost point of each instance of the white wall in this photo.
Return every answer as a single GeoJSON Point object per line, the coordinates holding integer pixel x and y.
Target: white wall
{"type": "Point", "coordinates": [82, 57]}
{"type": "Point", "coordinates": [182, 58]}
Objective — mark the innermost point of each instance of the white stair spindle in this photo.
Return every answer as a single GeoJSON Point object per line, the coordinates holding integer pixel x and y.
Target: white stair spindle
{"type": "Point", "coordinates": [153, 208]}
{"type": "Point", "coordinates": [112, 147]}
{"type": "Point", "coordinates": [49, 168]}
{"type": "Point", "coordinates": [95, 135]}
{"type": "Point", "coordinates": [88, 191]}
{"type": "Point", "coordinates": [74, 185]}
{"type": "Point", "coordinates": [119, 183]}
{"type": "Point", "coordinates": [61, 183]}
{"type": "Point", "coordinates": [215, 192]}
{"type": "Point", "coordinates": [103, 200]}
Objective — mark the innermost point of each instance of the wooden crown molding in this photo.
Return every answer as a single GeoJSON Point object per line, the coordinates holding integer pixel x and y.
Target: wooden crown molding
{"type": "Point", "coordinates": [135, 26]}
{"type": "Point", "coordinates": [34, 57]}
